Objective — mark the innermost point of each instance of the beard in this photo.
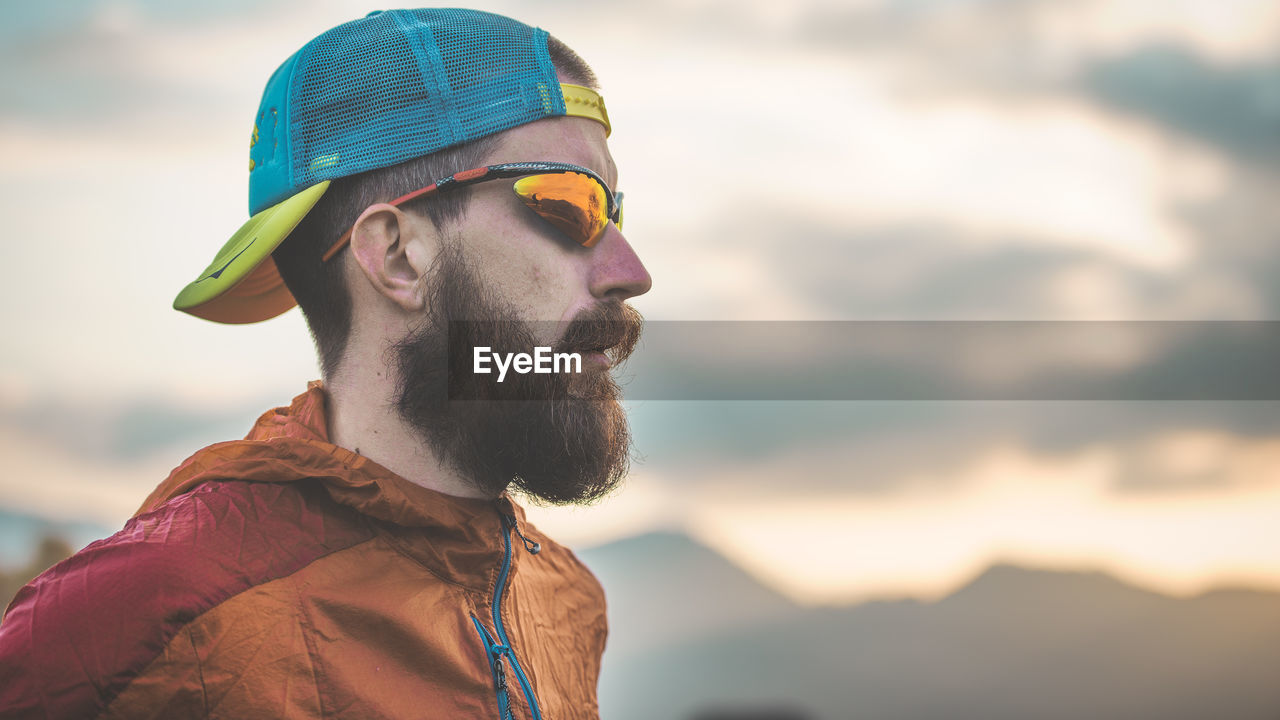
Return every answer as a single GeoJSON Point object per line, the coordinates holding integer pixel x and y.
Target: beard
{"type": "Point", "coordinates": [560, 438]}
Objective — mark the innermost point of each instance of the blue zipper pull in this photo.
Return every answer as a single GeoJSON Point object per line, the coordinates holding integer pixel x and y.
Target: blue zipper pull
{"type": "Point", "coordinates": [533, 547]}
{"type": "Point", "coordinates": [496, 653]}
{"type": "Point", "coordinates": [504, 694]}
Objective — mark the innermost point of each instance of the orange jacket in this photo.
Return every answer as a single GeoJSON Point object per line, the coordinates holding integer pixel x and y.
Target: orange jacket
{"type": "Point", "coordinates": [282, 576]}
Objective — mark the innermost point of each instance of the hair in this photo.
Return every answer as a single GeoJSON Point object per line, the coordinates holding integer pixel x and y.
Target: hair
{"type": "Point", "coordinates": [319, 287]}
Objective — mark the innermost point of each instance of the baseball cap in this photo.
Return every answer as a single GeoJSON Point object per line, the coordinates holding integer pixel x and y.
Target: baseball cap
{"type": "Point", "coordinates": [368, 94]}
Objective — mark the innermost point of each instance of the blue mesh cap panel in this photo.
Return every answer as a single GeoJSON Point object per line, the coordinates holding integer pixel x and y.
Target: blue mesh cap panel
{"type": "Point", "coordinates": [404, 83]}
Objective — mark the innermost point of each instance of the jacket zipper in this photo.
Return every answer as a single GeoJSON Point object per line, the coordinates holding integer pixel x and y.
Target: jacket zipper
{"type": "Point", "coordinates": [495, 653]}
{"type": "Point", "coordinates": [500, 648]}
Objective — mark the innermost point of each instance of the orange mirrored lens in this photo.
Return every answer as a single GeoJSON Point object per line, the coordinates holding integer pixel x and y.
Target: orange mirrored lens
{"type": "Point", "coordinates": [574, 203]}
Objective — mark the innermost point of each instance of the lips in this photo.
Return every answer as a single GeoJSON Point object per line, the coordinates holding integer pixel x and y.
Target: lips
{"type": "Point", "coordinates": [596, 357]}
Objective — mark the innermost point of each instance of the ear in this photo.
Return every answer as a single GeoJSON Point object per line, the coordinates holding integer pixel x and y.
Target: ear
{"type": "Point", "coordinates": [394, 250]}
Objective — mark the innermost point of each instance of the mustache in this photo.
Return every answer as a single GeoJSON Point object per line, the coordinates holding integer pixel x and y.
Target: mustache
{"type": "Point", "coordinates": [612, 328]}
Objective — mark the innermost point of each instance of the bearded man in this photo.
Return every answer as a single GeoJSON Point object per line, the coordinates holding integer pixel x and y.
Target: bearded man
{"type": "Point", "coordinates": [425, 184]}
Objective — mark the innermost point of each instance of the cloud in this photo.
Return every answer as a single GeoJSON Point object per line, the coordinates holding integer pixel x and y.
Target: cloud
{"type": "Point", "coordinates": [1009, 505]}
{"type": "Point", "coordinates": [1237, 248]}
{"type": "Point", "coordinates": [771, 449]}
{"type": "Point", "coordinates": [115, 433]}
{"type": "Point", "coordinates": [1236, 107]}
{"type": "Point", "coordinates": [1010, 42]}
{"type": "Point", "coordinates": [956, 361]}
{"type": "Point", "coordinates": [85, 64]}
{"type": "Point", "coordinates": [43, 479]}
{"type": "Point", "coordinates": [841, 268]}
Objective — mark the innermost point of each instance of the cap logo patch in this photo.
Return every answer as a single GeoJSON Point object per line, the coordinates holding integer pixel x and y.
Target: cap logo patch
{"type": "Point", "coordinates": [262, 143]}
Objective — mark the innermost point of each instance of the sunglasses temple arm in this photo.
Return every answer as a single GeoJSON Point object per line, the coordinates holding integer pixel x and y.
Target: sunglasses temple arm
{"type": "Point", "coordinates": [346, 236]}
{"type": "Point", "coordinates": [342, 242]}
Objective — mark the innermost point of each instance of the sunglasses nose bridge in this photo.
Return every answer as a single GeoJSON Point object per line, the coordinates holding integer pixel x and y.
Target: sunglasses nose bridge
{"type": "Point", "coordinates": [617, 209]}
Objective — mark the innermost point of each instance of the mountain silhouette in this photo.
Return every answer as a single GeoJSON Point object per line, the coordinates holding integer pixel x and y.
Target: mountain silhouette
{"type": "Point", "coordinates": [1013, 643]}
{"type": "Point", "coordinates": [666, 588]}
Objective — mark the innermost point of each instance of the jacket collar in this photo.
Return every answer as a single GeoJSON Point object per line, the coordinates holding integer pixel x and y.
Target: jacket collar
{"type": "Point", "coordinates": [291, 444]}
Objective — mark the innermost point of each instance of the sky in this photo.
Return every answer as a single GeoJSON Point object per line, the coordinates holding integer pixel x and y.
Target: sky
{"type": "Point", "coordinates": [879, 160]}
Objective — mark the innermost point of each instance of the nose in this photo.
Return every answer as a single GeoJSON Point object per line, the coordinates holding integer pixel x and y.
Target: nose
{"type": "Point", "coordinates": [616, 270]}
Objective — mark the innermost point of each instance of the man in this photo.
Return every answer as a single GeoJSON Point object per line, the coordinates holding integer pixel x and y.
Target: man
{"type": "Point", "coordinates": [427, 185]}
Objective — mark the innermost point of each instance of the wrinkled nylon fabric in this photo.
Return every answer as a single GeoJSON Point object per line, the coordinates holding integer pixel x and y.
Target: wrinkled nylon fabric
{"type": "Point", "coordinates": [282, 576]}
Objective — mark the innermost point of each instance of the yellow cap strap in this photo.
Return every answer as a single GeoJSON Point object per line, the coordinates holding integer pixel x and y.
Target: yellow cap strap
{"type": "Point", "coordinates": [584, 102]}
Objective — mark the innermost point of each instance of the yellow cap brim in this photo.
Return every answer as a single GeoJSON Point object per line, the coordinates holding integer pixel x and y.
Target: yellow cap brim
{"type": "Point", "coordinates": [242, 284]}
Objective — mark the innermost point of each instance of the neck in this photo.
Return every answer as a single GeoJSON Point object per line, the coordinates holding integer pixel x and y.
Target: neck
{"type": "Point", "coordinates": [362, 418]}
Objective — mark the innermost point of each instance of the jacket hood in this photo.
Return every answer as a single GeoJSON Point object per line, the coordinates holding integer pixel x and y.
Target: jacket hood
{"type": "Point", "coordinates": [291, 444]}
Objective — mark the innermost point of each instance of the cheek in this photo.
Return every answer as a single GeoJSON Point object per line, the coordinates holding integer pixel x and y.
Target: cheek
{"type": "Point", "coordinates": [545, 289]}
{"type": "Point", "coordinates": [535, 276]}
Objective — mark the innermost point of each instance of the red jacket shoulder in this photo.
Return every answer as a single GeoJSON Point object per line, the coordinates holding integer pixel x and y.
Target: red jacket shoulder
{"type": "Point", "coordinates": [74, 637]}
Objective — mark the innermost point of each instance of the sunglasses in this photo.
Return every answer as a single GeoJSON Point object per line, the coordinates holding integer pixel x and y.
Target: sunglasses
{"type": "Point", "coordinates": [573, 199]}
